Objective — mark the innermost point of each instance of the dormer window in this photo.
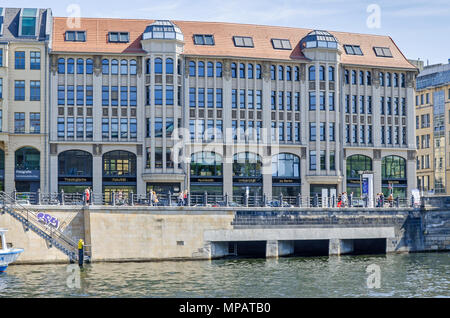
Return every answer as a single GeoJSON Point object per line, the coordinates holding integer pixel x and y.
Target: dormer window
{"type": "Point", "coordinates": [119, 37]}
{"type": "Point", "coordinates": [382, 51]}
{"type": "Point", "coordinates": [243, 41]}
{"type": "Point", "coordinates": [27, 24]}
{"type": "Point", "coordinates": [281, 44]}
{"type": "Point", "coordinates": [353, 49]}
{"type": "Point", "coordinates": [76, 36]}
{"type": "Point", "coordinates": [203, 39]}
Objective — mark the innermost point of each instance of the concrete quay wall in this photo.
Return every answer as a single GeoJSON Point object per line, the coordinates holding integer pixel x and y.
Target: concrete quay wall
{"type": "Point", "coordinates": [158, 233]}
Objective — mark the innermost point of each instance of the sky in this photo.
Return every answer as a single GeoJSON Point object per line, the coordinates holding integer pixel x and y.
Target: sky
{"type": "Point", "coordinates": [420, 28]}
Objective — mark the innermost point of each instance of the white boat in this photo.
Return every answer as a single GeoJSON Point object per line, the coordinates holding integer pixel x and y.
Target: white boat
{"type": "Point", "coordinates": [7, 255]}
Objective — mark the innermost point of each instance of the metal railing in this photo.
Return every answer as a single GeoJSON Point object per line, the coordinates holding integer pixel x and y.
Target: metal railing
{"type": "Point", "coordinates": [15, 206]}
{"type": "Point", "coordinates": [210, 199]}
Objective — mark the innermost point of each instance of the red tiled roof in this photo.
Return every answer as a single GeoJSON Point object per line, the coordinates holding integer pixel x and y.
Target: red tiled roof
{"type": "Point", "coordinates": [97, 41]}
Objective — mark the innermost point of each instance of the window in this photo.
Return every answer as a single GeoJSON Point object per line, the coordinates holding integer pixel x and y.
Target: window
{"type": "Point", "coordinates": [203, 39]}
{"type": "Point", "coordinates": [322, 131]}
{"type": "Point", "coordinates": [123, 67]}
{"type": "Point", "coordinates": [312, 73]}
{"type": "Point", "coordinates": [76, 36]}
{"type": "Point", "coordinates": [1, 87]}
{"type": "Point", "coordinates": [80, 66]}
{"type": "Point", "coordinates": [80, 128]}
{"type": "Point", "coordinates": [28, 22]}
{"type": "Point", "coordinates": [61, 127]}
{"type": "Point", "coordinates": [281, 44]}
{"type": "Point", "coordinates": [192, 97]}
{"type": "Point", "coordinates": [114, 67]}
{"type": "Point", "coordinates": [272, 73]}
{"type": "Point", "coordinates": [89, 95]}
{"type": "Point", "coordinates": [233, 70]}
{"type": "Point", "coordinates": [105, 128]}
{"type": "Point", "coordinates": [312, 100]}
{"type": "Point", "coordinates": [280, 73]}
{"type": "Point", "coordinates": [243, 41]}
{"type": "Point", "coordinates": [114, 95]}
{"type": "Point", "coordinates": [219, 98]}
{"type": "Point", "coordinates": [192, 68]}
{"type": "Point", "coordinates": [89, 66]}
{"type": "Point", "coordinates": [312, 160]}
{"type": "Point", "coordinates": [133, 95]}
{"type": "Point", "coordinates": [1, 50]}
{"type": "Point", "coordinates": [242, 70]}
{"type": "Point", "coordinates": [218, 69]}
{"type": "Point", "coordinates": [158, 95]}
{"type": "Point", "coordinates": [258, 99]}
{"type": "Point", "coordinates": [201, 69]}
{"type": "Point", "coordinates": [19, 90]}
{"type": "Point", "coordinates": [331, 73]}
{"type": "Point", "coordinates": [331, 101]}
{"type": "Point", "coordinates": [61, 66]}
{"type": "Point", "coordinates": [353, 49]}
{"type": "Point", "coordinates": [250, 71]}
{"type": "Point", "coordinates": [19, 123]}
{"type": "Point", "coordinates": [210, 69]}
{"type": "Point", "coordinates": [321, 73]}
{"type": "Point", "coordinates": [123, 96]}
{"type": "Point", "coordinates": [35, 60]}
{"type": "Point", "coordinates": [19, 60]}
{"type": "Point", "coordinates": [331, 132]}
{"type": "Point", "coordinates": [119, 37]}
{"type": "Point", "coordinates": [312, 131]}
{"type": "Point", "coordinates": [242, 98]}
{"type": "Point", "coordinates": [169, 66]}
{"type": "Point", "coordinates": [114, 128]}
{"type": "Point", "coordinates": [35, 90]}
{"type": "Point", "coordinates": [382, 51]}
{"type": "Point", "coordinates": [70, 95]}
{"type": "Point", "coordinates": [158, 157]}
{"type": "Point", "coordinates": [369, 78]}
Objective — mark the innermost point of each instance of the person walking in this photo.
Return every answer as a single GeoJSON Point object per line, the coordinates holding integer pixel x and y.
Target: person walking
{"type": "Point", "coordinates": [87, 196]}
{"type": "Point", "coordinates": [185, 197]}
{"type": "Point", "coordinates": [181, 198]}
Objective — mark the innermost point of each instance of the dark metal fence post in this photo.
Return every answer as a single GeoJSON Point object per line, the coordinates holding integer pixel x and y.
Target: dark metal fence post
{"type": "Point", "coordinates": [246, 199]}
{"type": "Point", "coordinates": [226, 199]}
{"type": "Point", "coordinates": [169, 199]}
{"type": "Point", "coordinates": [13, 195]}
{"type": "Point", "coordinates": [333, 201]}
{"type": "Point", "coordinates": [188, 196]}
{"type": "Point", "coordinates": [264, 200]}
{"type": "Point", "coordinates": [366, 201]}
{"type": "Point", "coordinates": [412, 201]}
{"type": "Point", "coordinates": [281, 199]}
{"type": "Point", "coordinates": [316, 200]}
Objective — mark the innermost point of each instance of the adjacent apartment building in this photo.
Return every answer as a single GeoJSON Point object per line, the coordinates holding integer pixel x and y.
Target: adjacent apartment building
{"type": "Point", "coordinates": [140, 105]}
{"type": "Point", "coordinates": [433, 129]}
{"type": "Point", "coordinates": [25, 37]}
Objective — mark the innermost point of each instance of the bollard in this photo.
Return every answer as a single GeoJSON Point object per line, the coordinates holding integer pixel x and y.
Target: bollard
{"type": "Point", "coordinates": [350, 202]}
{"type": "Point", "coordinates": [38, 197]}
{"type": "Point", "coordinates": [226, 199]}
{"type": "Point", "coordinates": [245, 200]}
{"type": "Point", "coordinates": [113, 198]}
{"type": "Point", "coordinates": [169, 199]}
{"type": "Point", "coordinates": [316, 200]}
{"type": "Point", "coordinates": [281, 199]}
{"type": "Point", "coordinates": [333, 201]}
{"type": "Point", "coordinates": [188, 198]}
{"type": "Point", "coordinates": [264, 203]}
{"type": "Point", "coordinates": [366, 201]}
{"type": "Point", "coordinates": [80, 253]}
{"type": "Point", "coordinates": [299, 200]}
{"type": "Point", "coordinates": [62, 198]}
{"type": "Point", "coordinates": [205, 198]}
{"type": "Point", "coordinates": [131, 199]}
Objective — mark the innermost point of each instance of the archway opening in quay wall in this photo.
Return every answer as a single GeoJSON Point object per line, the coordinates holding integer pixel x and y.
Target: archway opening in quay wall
{"type": "Point", "coordinates": [369, 246]}
{"type": "Point", "coordinates": [248, 249]}
{"type": "Point", "coordinates": [311, 248]}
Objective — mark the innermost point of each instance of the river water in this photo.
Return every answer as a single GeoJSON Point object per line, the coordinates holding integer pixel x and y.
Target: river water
{"type": "Point", "coordinates": [400, 275]}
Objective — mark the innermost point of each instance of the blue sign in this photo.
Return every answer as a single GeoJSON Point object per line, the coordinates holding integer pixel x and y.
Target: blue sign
{"type": "Point", "coordinates": [365, 186]}
{"type": "Point", "coordinates": [28, 175]}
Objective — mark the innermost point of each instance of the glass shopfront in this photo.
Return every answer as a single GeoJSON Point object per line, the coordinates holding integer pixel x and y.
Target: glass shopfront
{"type": "Point", "coordinates": [247, 174]}
{"type": "Point", "coordinates": [393, 176]}
{"type": "Point", "coordinates": [285, 175]}
{"type": "Point", "coordinates": [163, 187]}
{"type": "Point", "coordinates": [206, 173]}
{"type": "Point", "coordinates": [74, 171]}
{"type": "Point", "coordinates": [119, 173]}
{"type": "Point", "coordinates": [27, 169]}
{"type": "Point", "coordinates": [355, 164]}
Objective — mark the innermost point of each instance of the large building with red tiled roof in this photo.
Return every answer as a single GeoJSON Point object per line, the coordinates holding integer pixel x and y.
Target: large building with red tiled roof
{"type": "Point", "coordinates": [225, 108]}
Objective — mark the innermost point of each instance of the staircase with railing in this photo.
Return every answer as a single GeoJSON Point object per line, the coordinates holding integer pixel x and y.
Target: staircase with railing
{"type": "Point", "coordinates": [54, 236]}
